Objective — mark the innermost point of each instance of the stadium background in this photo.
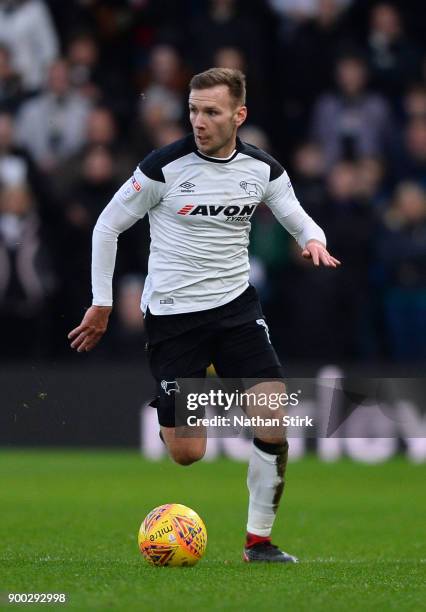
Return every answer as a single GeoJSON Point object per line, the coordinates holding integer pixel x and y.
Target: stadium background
{"type": "Point", "coordinates": [337, 92]}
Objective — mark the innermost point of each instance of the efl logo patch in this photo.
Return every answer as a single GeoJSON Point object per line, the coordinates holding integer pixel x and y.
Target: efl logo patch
{"type": "Point", "coordinates": [136, 186]}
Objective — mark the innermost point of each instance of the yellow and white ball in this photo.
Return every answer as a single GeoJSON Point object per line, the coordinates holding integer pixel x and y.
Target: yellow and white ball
{"type": "Point", "coordinates": [172, 535]}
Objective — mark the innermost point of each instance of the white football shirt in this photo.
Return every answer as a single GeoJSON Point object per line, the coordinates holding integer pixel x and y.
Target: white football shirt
{"type": "Point", "coordinates": [199, 213]}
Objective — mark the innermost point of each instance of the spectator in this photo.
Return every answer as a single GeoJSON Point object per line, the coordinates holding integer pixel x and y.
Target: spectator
{"type": "Point", "coordinates": [350, 230]}
{"type": "Point", "coordinates": [308, 175]}
{"type": "Point", "coordinates": [127, 330]}
{"type": "Point", "coordinates": [27, 29]}
{"type": "Point", "coordinates": [393, 58]}
{"type": "Point", "coordinates": [17, 168]}
{"type": "Point", "coordinates": [227, 24]}
{"type": "Point", "coordinates": [414, 102]}
{"type": "Point", "coordinates": [26, 278]}
{"type": "Point", "coordinates": [16, 165]}
{"type": "Point", "coordinates": [163, 88]}
{"type": "Point", "coordinates": [166, 134]}
{"type": "Point", "coordinates": [352, 122]}
{"type": "Point", "coordinates": [101, 131]}
{"type": "Point", "coordinates": [301, 10]}
{"type": "Point", "coordinates": [310, 54]}
{"type": "Point", "coordinates": [350, 222]}
{"type": "Point", "coordinates": [254, 135]}
{"type": "Point", "coordinates": [402, 252]}
{"type": "Point", "coordinates": [102, 128]}
{"type": "Point", "coordinates": [83, 59]}
{"type": "Point", "coordinates": [236, 33]}
{"type": "Point", "coordinates": [52, 125]}
{"type": "Point", "coordinates": [11, 92]}
{"type": "Point", "coordinates": [411, 164]}
{"type": "Point", "coordinates": [370, 184]}
{"type": "Point", "coordinates": [232, 57]}
{"type": "Point", "coordinates": [87, 198]}
{"type": "Point", "coordinates": [98, 81]}
{"type": "Point", "coordinates": [93, 190]}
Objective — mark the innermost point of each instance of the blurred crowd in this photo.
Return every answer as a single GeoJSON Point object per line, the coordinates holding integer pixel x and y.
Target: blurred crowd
{"type": "Point", "coordinates": [336, 91]}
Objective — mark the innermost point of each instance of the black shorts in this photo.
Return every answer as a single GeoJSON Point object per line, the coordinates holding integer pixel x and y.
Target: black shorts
{"type": "Point", "coordinates": [234, 338]}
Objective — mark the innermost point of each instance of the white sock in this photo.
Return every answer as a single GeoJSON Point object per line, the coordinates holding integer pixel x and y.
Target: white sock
{"type": "Point", "coordinates": [265, 480]}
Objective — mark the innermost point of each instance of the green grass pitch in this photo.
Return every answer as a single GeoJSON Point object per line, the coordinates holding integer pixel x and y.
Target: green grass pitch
{"type": "Point", "coordinates": [69, 523]}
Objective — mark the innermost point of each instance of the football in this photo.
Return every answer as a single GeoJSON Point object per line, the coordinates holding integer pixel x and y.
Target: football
{"type": "Point", "coordinates": [172, 535]}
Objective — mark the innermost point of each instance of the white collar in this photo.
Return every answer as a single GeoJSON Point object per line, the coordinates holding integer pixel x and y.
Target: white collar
{"type": "Point", "coordinates": [217, 158]}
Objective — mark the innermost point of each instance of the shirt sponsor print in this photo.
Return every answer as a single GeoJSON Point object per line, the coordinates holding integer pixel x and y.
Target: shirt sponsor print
{"type": "Point", "coordinates": [232, 212]}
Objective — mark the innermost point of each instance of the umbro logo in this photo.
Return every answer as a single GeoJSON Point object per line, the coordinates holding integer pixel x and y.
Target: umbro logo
{"type": "Point", "coordinates": [187, 187]}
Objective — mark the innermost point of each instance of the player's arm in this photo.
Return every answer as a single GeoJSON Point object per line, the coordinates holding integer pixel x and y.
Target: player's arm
{"type": "Point", "coordinates": [128, 205]}
{"type": "Point", "coordinates": [281, 199]}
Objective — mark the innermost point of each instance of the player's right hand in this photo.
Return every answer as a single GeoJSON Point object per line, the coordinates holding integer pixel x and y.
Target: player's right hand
{"type": "Point", "coordinates": [93, 326]}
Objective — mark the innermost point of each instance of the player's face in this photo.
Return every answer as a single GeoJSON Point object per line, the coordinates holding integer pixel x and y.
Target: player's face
{"type": "Point", "coordinates": [215, 117]}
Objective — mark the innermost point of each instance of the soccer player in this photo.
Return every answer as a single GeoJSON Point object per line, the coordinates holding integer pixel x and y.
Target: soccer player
{"type": "Point", "coordinates": [200, 194]}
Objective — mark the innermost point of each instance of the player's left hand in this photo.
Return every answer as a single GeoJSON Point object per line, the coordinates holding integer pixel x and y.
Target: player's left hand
{"type": "Point", "coordinates": [316, 251]}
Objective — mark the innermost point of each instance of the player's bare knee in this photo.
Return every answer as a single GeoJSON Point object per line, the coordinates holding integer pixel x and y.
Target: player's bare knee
{"type": "Point", "coordinates": [184, 459]}
{"type": "Point", "coordinates": [187, 456]}
{"type": "Point", "coordinates": [187, 451]}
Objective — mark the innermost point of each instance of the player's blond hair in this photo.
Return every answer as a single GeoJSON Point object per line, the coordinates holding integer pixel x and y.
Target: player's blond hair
{"type": "Point", "coordinates": [234, 79]}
